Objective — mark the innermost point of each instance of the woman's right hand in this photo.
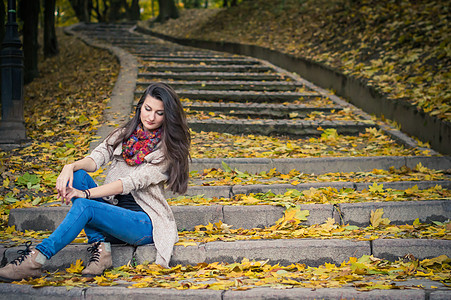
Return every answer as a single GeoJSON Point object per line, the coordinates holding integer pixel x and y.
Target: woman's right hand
{"type": "Point", "coordinates": [65, 179]}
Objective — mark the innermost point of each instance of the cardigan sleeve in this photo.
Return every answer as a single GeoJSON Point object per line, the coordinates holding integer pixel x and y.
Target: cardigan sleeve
{"type": "Point", "coordinates": [102, 154]}
{"type": "Point", "coordinates": [143, 177]}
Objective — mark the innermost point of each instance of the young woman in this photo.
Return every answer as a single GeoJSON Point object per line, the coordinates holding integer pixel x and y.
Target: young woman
{"type": "Point", "coordinates": [150, 151]}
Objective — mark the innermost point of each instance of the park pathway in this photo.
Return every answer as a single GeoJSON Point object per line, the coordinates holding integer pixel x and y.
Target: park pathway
{"type": "Point", "coordinates": [234, 95]}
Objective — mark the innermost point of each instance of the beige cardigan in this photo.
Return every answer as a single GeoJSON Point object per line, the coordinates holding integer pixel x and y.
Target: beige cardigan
{"type": "Point", "coordinates": [146, 184]}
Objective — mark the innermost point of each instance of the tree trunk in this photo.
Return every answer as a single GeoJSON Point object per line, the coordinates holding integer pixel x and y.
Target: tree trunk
{"type": "Point", "coordinates": [234, 3]}
{"type": "Point", "coordinates": [101, 15]}
{"type": "Point", "coordinates": [206, 4]}
{"type": "Point", "coordinates": [168, 10]}
{"type": "Point", "coordinates": [135, 13]}
{"type": "Point", "coordinates": [114, 10]}
{"type": "Point", "coordinates": [2, 31]}
{"type": "Point", "coordinates": [225, 3]}
{"type": "Point", "coordinates": [29, 13]}
{"type": "Point", "coordinates": [50, 41]}
{"type": "Point", "coordinates": [82, 9]}
{"type": "Point", "coordinates": [2, 20]}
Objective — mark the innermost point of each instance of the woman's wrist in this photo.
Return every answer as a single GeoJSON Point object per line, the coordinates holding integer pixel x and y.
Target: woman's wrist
{"type": "Point", "coordinates": [70, 166]}
{"type": "Point", "coordinates": [87, 194]}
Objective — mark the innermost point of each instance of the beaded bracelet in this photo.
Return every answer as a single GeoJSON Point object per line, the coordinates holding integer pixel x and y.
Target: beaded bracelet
{"type": "Point", "coordinates": [87, 194]}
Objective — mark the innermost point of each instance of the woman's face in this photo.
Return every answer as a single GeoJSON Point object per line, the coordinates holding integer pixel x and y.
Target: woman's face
{"type": "Point", "coordinates": [152, 113]}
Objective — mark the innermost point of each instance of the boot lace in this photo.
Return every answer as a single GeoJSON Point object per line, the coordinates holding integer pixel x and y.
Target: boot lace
{"type": "Point", "coordinates": [94, 249]}
{"type": "Point", "coordinates": [23, 254]}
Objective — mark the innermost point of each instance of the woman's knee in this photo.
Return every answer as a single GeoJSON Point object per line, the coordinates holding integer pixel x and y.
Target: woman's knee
{"type": "Point", "coordinates": [80, 202]}
{"type": "Point", "coordinates": [79, 175]}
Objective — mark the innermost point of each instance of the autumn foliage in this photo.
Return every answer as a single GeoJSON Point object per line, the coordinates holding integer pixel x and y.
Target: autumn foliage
{"type": "Point", "coordinates": [399, 47]}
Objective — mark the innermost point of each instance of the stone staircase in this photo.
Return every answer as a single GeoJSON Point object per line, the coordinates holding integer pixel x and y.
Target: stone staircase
{"type": "Point", "coordinates": [243, 95]}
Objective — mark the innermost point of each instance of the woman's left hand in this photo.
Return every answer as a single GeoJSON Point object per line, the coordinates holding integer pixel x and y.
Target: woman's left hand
{"type": "Point", "coordinates": [72, 193]}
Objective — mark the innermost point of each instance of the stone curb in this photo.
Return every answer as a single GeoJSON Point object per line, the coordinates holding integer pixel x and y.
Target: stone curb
{"type": "Point", "coordinates": [122, 96]}
{"type": "Point", "coordinates": [312, 252]}
{"type": "Point", "coordinates": [431, 129]}
{"type": "Point", "coordinates": [321, 165]}
{"type": "Point", "coordinates": [252, 216]}
{"type": "Point", "coordinates": [20, 292]}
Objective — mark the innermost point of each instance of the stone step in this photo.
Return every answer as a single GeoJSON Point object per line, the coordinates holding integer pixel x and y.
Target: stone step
{"type": "Point", "coordinates": [291, 128]}
{"type": "Point", "coordinates": [322, 165]}
{"type": "Point", "coordinates": [206, 68]}
{"type": "Point", "coordinates": [228, 191]}
{"type": "Point", "coordinates": [258, 110]}
{"type": "Point", "coordinates": [431, 290]}
{"type": "Point", "coordinates": [207, 61]}
{"type": "Point", "coordinates": [136, 45]}
{"type": "Point", "coordinates": [230, 85]}
{"type": "Point", "coordinates": [312, 252]}
{"type": "Point", "coordinates": [187, 54]}
{"type": "Point", "coordinates": [124, 38]}
{"type": "Point", "coordinates": [253, 216]}
{"type": "Point", "coordinates": [212, 76]}
{"type": "Point", "coordinates": [246, 96]}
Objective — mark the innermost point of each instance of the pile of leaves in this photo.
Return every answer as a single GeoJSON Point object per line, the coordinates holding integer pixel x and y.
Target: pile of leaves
{"type": "Point", "coordinates": [370, 272]}
{"type": "Point", "coordinates": [399, 47]}
{"type": "Point", "coordinates": [341, 115]}
{"type": "Point", "coordinates": [326, 195]}
{"type": "Point", "coordinates": [63, 110]}
{"type": "Point", "coordinates": [308, 102]}
{"type": "Point", "coordinates": [220, 177]}
{"type": "Point", "coordinates": [330, 144]}
{"type": "Point", "coordinates": [365, 273]}
{"type": "Point", "coordinates": [290, 227]}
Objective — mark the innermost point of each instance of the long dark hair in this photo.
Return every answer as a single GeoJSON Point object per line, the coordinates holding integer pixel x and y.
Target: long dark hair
{"type": "Point", "coordinates": [176, 138]}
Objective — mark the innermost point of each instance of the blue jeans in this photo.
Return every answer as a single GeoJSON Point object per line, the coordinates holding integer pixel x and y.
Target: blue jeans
{"type": "Point", "coordinates": [98, 218]}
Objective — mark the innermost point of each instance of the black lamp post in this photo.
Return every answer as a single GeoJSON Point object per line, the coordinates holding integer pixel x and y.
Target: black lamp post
{"type": "Point", "coordinates": [12, 126]}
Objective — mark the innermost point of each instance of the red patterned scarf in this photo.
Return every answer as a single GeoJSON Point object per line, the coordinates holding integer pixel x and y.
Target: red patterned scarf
{"type": "Point", "coordinates": [139, 145]}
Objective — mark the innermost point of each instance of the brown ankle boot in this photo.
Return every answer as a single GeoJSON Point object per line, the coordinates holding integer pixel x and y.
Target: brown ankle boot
{"type": "Point", "coordinates": [100, 259]}
{"type": "Point", "coordinates": [28, 264]}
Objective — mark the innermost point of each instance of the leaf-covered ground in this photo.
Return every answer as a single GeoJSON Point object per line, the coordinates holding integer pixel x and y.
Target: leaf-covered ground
{"type": "Point", "coordinates": [327, 195]}
{"type": "Point", "coordinates": [289, 226]}
{"type": "Point", "coordinates": [400, 47]}
{"type": "Point", "coordinates": [63, 110]}
{"type": "Point", "coordinates": [220, 177]}
{"type": "Point", "coordinates": [331, 144]}
{"type": "Point", "coordinates": [364, 273]}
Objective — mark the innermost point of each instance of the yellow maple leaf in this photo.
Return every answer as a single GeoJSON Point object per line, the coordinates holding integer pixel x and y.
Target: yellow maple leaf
{"type": "Point", "coordinates": [436, 260]}
{"type": "Point", "coordinates": [6, 182]}
{"type": "Point", "coordinates": [376, 188]}
{"type": "Point", "coordinates": [420, 168]}
{"type": "Point", "coordinates": [186, 244]}
{"type": "Point", "coordinates": [77, 268]}
{"type": "Point", "coordinates": [376, 218]}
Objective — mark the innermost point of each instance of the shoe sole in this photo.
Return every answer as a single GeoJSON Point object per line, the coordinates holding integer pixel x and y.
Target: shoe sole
{"type": "Point", "coordinates": [93, 275]}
